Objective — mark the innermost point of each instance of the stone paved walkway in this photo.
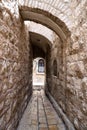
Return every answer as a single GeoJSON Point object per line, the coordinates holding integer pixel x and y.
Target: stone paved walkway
{"type": "Point", "coordinates": [40, 115]}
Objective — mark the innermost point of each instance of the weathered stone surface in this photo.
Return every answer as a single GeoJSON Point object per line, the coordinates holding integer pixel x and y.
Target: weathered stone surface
{"type": "Point", "coordinates": [76, 69]}
{"type": "Point", "coordinates": [15, 77]}
{"type": "Point", "coordinates": [40, 114]}
{"type": "Point", "coordinates": [72, 98]}
{"type": "Point", "coordinates": [56, 84]}
{"type": "Point", "coordinates": [69, 87]}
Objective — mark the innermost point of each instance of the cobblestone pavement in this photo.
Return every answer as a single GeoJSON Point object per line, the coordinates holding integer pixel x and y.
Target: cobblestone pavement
{"type": "Point", "coordinates": [40, 114]}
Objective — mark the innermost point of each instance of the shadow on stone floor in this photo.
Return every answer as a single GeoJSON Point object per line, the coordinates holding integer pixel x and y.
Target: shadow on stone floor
{"type": "Point", "coordinates": [40, 114]}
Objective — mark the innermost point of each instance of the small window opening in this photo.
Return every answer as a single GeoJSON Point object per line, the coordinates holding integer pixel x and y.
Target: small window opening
{"type": "Point", "coordinates": [55, 68]}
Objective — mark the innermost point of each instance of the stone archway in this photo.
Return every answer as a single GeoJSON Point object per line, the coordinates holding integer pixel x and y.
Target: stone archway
{"type": "Point", "coordinates": [48, 14]}
{"type": "Point", "coordinates": [52, 19]}
{"type": "Point", "coordinates": [65, 17]}
{"type": "Point", "coordinates": [51, 16]}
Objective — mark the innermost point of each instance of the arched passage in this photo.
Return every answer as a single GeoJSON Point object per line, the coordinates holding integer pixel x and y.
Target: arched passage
{"type": "Point", "coordinates": [62, 29]}
{"type": "Point", "coordinates": [65, 17]}
{"type": "Point", "coordinates": [55, 18]}
{"type": "Point", "coordinates": [31, 11]}
{"type": "Point", "coordinates": [40, 45]}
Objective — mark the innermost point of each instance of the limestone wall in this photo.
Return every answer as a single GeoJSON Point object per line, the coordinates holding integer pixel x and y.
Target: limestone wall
{"type": "Point", "coordinates": [15, 77]}
{"type": "Point", "coordinates": [56, 84]}
{"type": "Point", "coordinates": [76, 90]}
{"type": "Point", "coordinates": [68, 87]}
{"type": "Point", "coordinates": [71, 95]}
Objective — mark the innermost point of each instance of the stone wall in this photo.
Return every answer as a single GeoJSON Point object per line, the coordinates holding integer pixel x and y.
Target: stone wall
{"type": "Point", "coordinates": [56, 83]}
{"type": "Point", "coordinates": [76, 90]}
{"type": "Point", "coordinates": [71, 95]}
{"type": "Point", "coordinates": [69, 88]}
{"type": "Point", "coordinates": [15, 66]}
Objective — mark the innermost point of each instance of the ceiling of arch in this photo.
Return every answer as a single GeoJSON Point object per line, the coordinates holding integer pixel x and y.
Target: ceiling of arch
{"type": "Point", "coordinates": [58, 8]}
{"type": "Point", "coordinates": [41, 30]}
{"type": "Point", "coordinates": [41, 37]}
{"type": "Point", "coordinates": [56, 15]}
{"type": "Point", "coordinates": [27, 15]}
{"type": "Point", "coordinates": [39, 41]}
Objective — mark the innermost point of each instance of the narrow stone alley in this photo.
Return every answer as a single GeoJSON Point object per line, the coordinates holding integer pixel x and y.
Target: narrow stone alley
{"type": "Point", "coordinates": [51, 37]}
{"type": "Point", "coordinates": [40, 114]}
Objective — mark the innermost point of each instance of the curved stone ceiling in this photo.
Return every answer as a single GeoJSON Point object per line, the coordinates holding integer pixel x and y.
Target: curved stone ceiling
{"type": "Point", "coordinates": [39, 41]}
{"type": "Point", "coordinates": [41, 30]}
{"type": "Point", "coordinates": [53, 14]}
